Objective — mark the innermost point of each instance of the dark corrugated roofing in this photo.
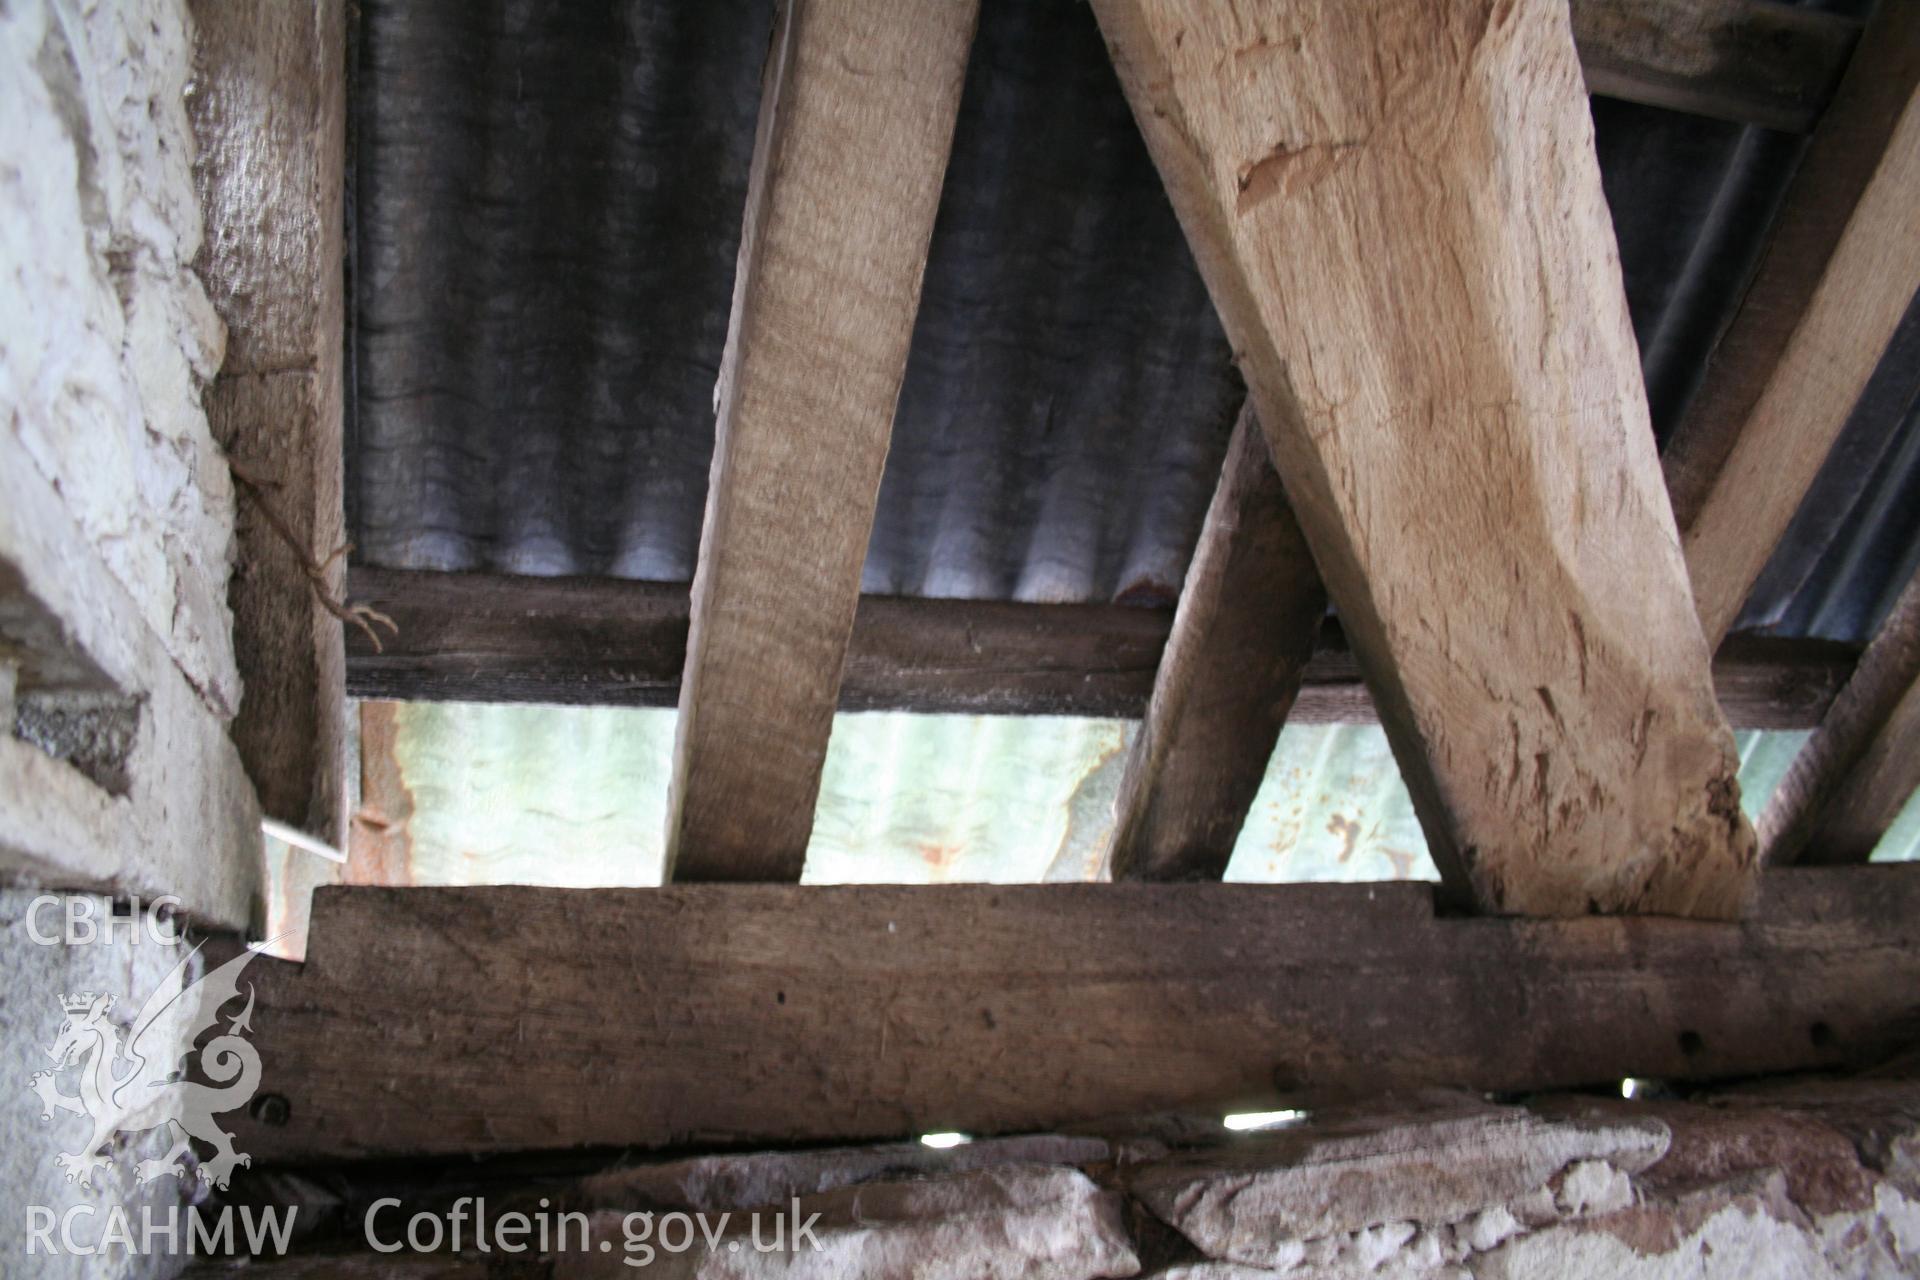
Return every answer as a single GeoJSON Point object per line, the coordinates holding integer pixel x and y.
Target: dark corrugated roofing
{"type": "Point", "coordinates": [548, 202]}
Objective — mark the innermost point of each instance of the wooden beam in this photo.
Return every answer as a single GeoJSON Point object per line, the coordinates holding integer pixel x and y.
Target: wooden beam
{"type": "Point", "coordinates": [1748, 61]}
{"type": "Point", "coordinates": [479, 637]}
{"type": "Point", "coordinates": [269, 116]}
{"type": "Point", "coordinates": [442, 1021]}
{"type": "Point", "coordinates": [469, 637]}
{"type": "Point", "coordinates": [269, 113]}
{"type": "Point", "coordinates": [1767, 683]}
{"type": "Point", "coordinates": [1399, 215]}
{"type": "Point", "coordinates": [1249, 611]}
{"type": "Point", "coordinates": [856, 120]}
{"type": "Point", "coordinates": [1853, 777]}
{"type": "Point", "coordinates": [1832, 286]}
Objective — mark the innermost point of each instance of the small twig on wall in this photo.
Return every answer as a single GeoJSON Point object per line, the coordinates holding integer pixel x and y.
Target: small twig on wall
{"type": "Point", "coordinates": [360, 615]}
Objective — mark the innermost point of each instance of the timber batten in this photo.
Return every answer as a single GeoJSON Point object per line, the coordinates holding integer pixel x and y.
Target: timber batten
{"type": "Point", "coordinates": [1839, 272]}
{"type": "Point", "coordinates": [1748, 61]}
{"type": "Point", "coordinates": [476, 637]}
{"type": "Point", "coordinates": [1849, 783]}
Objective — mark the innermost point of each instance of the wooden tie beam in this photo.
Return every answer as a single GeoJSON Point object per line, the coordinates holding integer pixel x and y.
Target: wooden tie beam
{"type": "Point", "coordinates": [464, 1021]}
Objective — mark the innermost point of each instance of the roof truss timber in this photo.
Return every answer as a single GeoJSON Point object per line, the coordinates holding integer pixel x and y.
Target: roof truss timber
{"type": "Point", "coordinates": [856, 121]}
{"type": "Point", "coordinates": [1838, 274]}
{"type": "Point", "coordinates": [1851, 780]}
{"type": "Point", "coordinates": [1747, 61]}
{"type": "Point", "coordinates": [1473, 504]}
{"type": "Point", "coordinates": [1485, 611]}
{"type": "Point", "coordinates": [1249, 612]}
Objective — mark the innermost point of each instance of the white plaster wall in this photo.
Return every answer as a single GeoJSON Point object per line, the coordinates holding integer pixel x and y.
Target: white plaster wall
{"type": "Point", "coordinates": [106, 335]}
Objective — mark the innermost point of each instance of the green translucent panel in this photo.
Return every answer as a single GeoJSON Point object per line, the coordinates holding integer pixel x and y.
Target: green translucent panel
{"type": "Point", "coordinates": [1764, 758]}
{"type": "Point", "coordinates": [1332, 807]}
{"type": "Point", "coordinates": [1902, 841]}
{"type": "Point", "coordinates": [577, 796]}
{"type": "Point", "coordinates": [922, 799]}
{"type": "Point", "coordinates": [1765, 755]}
{"type": "Point", "coordinates": [535, 795]}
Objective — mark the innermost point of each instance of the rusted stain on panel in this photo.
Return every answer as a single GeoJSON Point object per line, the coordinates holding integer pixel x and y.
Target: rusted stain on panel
{"type": "Point", "coordinates": [380, 850]}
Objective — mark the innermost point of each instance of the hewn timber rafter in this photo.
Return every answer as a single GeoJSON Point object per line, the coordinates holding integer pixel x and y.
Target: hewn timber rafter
{"type": "Point", "coordinates": [1399, 216]}
{"type": "Point", "coordinates": [474, 1020]}
{"type": "Point", "coordinates": [1851, 780]}
{"type": "Point", "coordinates": [856, 121]}
{"type": "Point", "coordinates": [1249, 611]}
{"type": "Point", "coordinates": [1837, 276]}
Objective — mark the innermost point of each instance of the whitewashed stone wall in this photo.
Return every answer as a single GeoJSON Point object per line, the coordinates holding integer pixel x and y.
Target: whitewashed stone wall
{"type": "Point", "coordinates": [107, 336]}
{"type": "Point", "coordinates": [117, 673]}
{"type": "Point", "coordinates": [116, 519]}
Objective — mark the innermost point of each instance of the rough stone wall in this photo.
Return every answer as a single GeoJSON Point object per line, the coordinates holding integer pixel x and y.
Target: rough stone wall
{"type": "Point", "coordinates": [108, 336]}
{"type": "Point", "coordinates": [117, 671]}
{"type": "Point", "coordinates": [1810, 1179]}
{"type": "Point", "coordinates": [117, 668]}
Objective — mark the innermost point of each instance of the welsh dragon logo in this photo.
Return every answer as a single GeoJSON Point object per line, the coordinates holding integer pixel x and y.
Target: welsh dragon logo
{"type": "Point", "coordinates": [134, 1080]}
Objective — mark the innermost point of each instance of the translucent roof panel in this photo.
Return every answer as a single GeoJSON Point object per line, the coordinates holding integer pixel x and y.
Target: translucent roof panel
{"type": "Point", "coordinates": [923, 799]}
{"type": "Point", "coordinates": [1332, 807]}
{"type": "Point", "coordinates": [470, 793]}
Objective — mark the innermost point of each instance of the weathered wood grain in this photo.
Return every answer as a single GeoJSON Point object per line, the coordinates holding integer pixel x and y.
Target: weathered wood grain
{"type": "Point", "coordinates": [269, 117]}
{"type": "Point", "coordinates": [1399, 215]}
{"type": "Point", "coordinates": [1765, 682]}
{"type": "Point", "coordinates": [1836, 278]}
{"type": "Point", "coordinates": [603, 642]}
{"type": "Point", "coordinates": [992, 657]}
{"type": "Point", "coordinates": [1248, 615]}
{"type": "Point", "coordinates": [856, 120]}
{"type": "Point", "coordinates": [1748, 61]}
{"type": "Point", "coordinates": [1851, 780]}
{"type": "Point", "coordinates": [505, 638]}
{"type": "Point", "coordinates": [475, 1020]}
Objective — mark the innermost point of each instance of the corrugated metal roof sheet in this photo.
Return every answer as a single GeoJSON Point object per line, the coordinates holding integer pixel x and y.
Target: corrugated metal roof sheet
{"type": "Point", "coordinates": [548, 205]}
{"type": "Point", "coordinates": [1856, 540]}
